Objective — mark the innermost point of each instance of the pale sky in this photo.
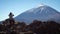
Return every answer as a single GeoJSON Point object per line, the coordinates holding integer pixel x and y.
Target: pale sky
{"type": "Point", "coordinates": [19, 6]}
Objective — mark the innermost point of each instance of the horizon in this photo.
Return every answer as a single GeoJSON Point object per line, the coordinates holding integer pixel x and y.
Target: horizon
{"type": "Point", "coordinates": [19, 6]}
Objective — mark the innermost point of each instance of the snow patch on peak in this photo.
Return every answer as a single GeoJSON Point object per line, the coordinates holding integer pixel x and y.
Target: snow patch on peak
{"type": "Point", "coordinates": [42, 9]}
{"type": "Point", "coordinates": [41, 5]}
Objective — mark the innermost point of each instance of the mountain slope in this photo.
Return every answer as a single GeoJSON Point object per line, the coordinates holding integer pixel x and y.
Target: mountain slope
{"type": "Point", "coordinates": [42, 13]}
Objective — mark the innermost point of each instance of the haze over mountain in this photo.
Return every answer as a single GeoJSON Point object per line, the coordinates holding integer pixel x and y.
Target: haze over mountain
{"type": "Point", "coordinates": [42, 13]}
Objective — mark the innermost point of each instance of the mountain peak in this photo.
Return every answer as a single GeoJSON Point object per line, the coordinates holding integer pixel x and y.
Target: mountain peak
{"type": "Point", "coordinates": [40, 8]}
{"type": "Point", "coordinates": [41, 5]}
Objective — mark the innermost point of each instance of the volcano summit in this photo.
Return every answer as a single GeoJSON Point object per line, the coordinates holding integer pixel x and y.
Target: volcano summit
{"type": "Point", "coordinates": [42, 13]}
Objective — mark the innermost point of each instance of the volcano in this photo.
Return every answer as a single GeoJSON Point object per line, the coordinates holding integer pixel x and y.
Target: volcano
{"type": "Point", "coordinates": [42, 13]}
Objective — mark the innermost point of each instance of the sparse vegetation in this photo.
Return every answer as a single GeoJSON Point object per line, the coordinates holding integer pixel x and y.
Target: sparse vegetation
{"type": "Point", "coordinates": [39, 27]}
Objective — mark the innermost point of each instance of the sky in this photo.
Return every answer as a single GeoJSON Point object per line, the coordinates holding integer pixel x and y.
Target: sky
{"type": "Point", "coordinates": [19, 6]}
